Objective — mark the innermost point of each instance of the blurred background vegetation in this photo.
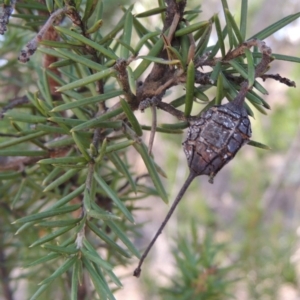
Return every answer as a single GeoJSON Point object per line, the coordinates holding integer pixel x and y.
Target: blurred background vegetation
{"type": "Point", "coordinates": [245, 225]}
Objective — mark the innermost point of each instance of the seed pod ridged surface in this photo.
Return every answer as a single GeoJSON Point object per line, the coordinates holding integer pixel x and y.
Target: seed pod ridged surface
{"type": "Point", "coordinates": [215, 137]}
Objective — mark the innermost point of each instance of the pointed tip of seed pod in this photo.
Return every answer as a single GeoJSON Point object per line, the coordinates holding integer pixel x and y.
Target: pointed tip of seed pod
{"type": "Point", "coordinates": [137, 272]}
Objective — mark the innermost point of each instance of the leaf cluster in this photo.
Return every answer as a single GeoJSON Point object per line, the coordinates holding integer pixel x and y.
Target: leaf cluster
{"type": "Point", "coordinates": [201, 272]}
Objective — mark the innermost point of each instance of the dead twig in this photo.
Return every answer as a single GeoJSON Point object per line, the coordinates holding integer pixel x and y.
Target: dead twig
{"type": "Point", "coordinates": [13, 103]}
{"type": "Point", "coordinates": [16, 163]}
{"type": "Point", "coordinates": [279, 78]}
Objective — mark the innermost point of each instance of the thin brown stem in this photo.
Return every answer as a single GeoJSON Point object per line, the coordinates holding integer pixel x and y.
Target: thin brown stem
{"type": "Point", "coordinates": [279, 78]}
{"type": "Point", "coordinates": [17, 163]}
{"type": "Point", "coordinates": [240, 98]}
{"type": "Point", "coordinates": [13, 103]}
{"type": "Point", "coordinates": [185, 186]}
{"type": "Point", "coordinates": [172, 110]}
{"type": "Point", "coordinates": [31, 46]}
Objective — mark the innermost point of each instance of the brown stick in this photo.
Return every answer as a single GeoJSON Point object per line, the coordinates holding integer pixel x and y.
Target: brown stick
{"type": "Point", "coordinates": [192, 175]}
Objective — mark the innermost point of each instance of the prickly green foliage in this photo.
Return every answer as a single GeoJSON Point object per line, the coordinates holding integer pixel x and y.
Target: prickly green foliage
{"type": "Point", "coordinates": [200, 262]}
{"type": "Point", "coordinates": [66, 183]}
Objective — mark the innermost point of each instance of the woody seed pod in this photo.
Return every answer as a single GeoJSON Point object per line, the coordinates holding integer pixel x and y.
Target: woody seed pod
{"type": "Point", "coordinates": [216, 136]}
